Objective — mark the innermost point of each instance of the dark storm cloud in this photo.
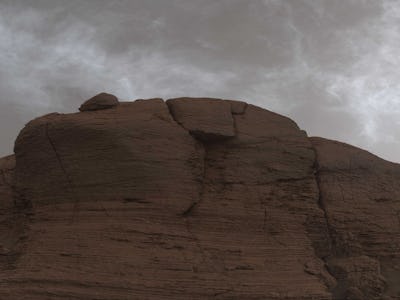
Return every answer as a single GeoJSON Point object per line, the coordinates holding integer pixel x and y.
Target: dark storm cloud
{"type": "Point", "coordinates": [329, 64]}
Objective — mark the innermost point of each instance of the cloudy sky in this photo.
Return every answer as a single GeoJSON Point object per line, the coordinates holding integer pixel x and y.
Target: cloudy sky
{"type": "Point", "coordinates": [331, 65]}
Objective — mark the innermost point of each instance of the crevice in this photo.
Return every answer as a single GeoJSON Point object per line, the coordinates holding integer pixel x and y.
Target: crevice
{"type": "Point", "coordinates": [135, 200]}
{"type": "Point", "coordinates": [70, 185]}
{"type": "Point", "coordinates": [205, 144]}
{"type": "Point", "coordinates": [329, 230]}
{"type": "Point", "coordinates": [64, 171]}
{"type": "Point", "coordinates": [169, 107]}
{"type": "Point", "coordinates": [189, 211]}
{"type": "Point", "coordinates": [322, 206]}
{"type": "Point", "coordinates": [235, 129]}
{"type": "Point", "coordinates": [205, 141]}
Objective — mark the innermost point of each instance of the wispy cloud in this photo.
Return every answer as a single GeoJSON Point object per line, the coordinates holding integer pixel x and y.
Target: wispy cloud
{"type": "Point", "coordinates": [331, 65]}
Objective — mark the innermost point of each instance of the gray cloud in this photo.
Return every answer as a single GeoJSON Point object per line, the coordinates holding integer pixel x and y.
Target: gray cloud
{"type": "Point", "coordinates": [331, 65]}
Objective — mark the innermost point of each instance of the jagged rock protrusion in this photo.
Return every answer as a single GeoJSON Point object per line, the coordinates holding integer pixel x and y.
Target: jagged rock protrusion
{"type": "Point", "coordinates": [100, 101]}
{"type": "Point", "coordinates": [206, 119]}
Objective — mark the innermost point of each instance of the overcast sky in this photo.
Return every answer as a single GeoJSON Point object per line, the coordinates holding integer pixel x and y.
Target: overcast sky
{"type": "Point", "coordinates": [331, 65]}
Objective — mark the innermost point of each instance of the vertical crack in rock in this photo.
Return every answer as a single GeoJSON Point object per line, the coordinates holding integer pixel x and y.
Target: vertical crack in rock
{"type": "Point", "coordinates": [205, 141]}
{"type": "Point", "coordinates": [195, 203]}
{"type": "Point", "coordinates": [234, 114]}
{"type": "Point", "coordinates": [330, 230]}
{"type": "Point", "coordinates": [63, 169]}
{"type": "Point", "coordinates": [53, 146]}
{"type": "Point", "coordinates": [322, 206]}
{"type": "Point", "coordinates": [187, 212]}
{"type": "Point", "coordinates": [69, 181]}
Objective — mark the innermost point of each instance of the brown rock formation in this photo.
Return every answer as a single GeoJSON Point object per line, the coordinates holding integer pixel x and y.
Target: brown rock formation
{"type": "Point", "coordinates": [195, 199]}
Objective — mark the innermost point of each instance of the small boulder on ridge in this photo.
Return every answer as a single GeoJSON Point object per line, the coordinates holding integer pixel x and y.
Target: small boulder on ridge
{"type": "Point", "coordinates": [100, 101]}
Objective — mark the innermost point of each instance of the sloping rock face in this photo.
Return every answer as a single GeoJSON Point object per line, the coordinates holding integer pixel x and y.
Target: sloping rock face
{"type": "Point", "coordinates": [196, 199]}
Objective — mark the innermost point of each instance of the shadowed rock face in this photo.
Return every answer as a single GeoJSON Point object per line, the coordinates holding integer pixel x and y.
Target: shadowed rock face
{"type": "Point", "coordinates": [194, 199]}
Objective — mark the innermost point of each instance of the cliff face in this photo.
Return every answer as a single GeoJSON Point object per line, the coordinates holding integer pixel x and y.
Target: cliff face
{"type": "Point", "coordinates": [194, 199]}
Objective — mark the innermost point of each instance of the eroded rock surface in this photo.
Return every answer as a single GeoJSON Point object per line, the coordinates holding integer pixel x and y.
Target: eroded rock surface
{"type": "Point", "coordinates": [197, 199]}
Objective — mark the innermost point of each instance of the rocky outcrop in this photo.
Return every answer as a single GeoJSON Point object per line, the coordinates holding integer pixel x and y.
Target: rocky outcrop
{"type": "Point", "coordinates": [361, 197]}
{"type": "Point", "coordinates": [197, 199]}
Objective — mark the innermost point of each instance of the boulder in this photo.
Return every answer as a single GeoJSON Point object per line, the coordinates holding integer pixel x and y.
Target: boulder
{"type": "Point", "coordinates": [100, 101]}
